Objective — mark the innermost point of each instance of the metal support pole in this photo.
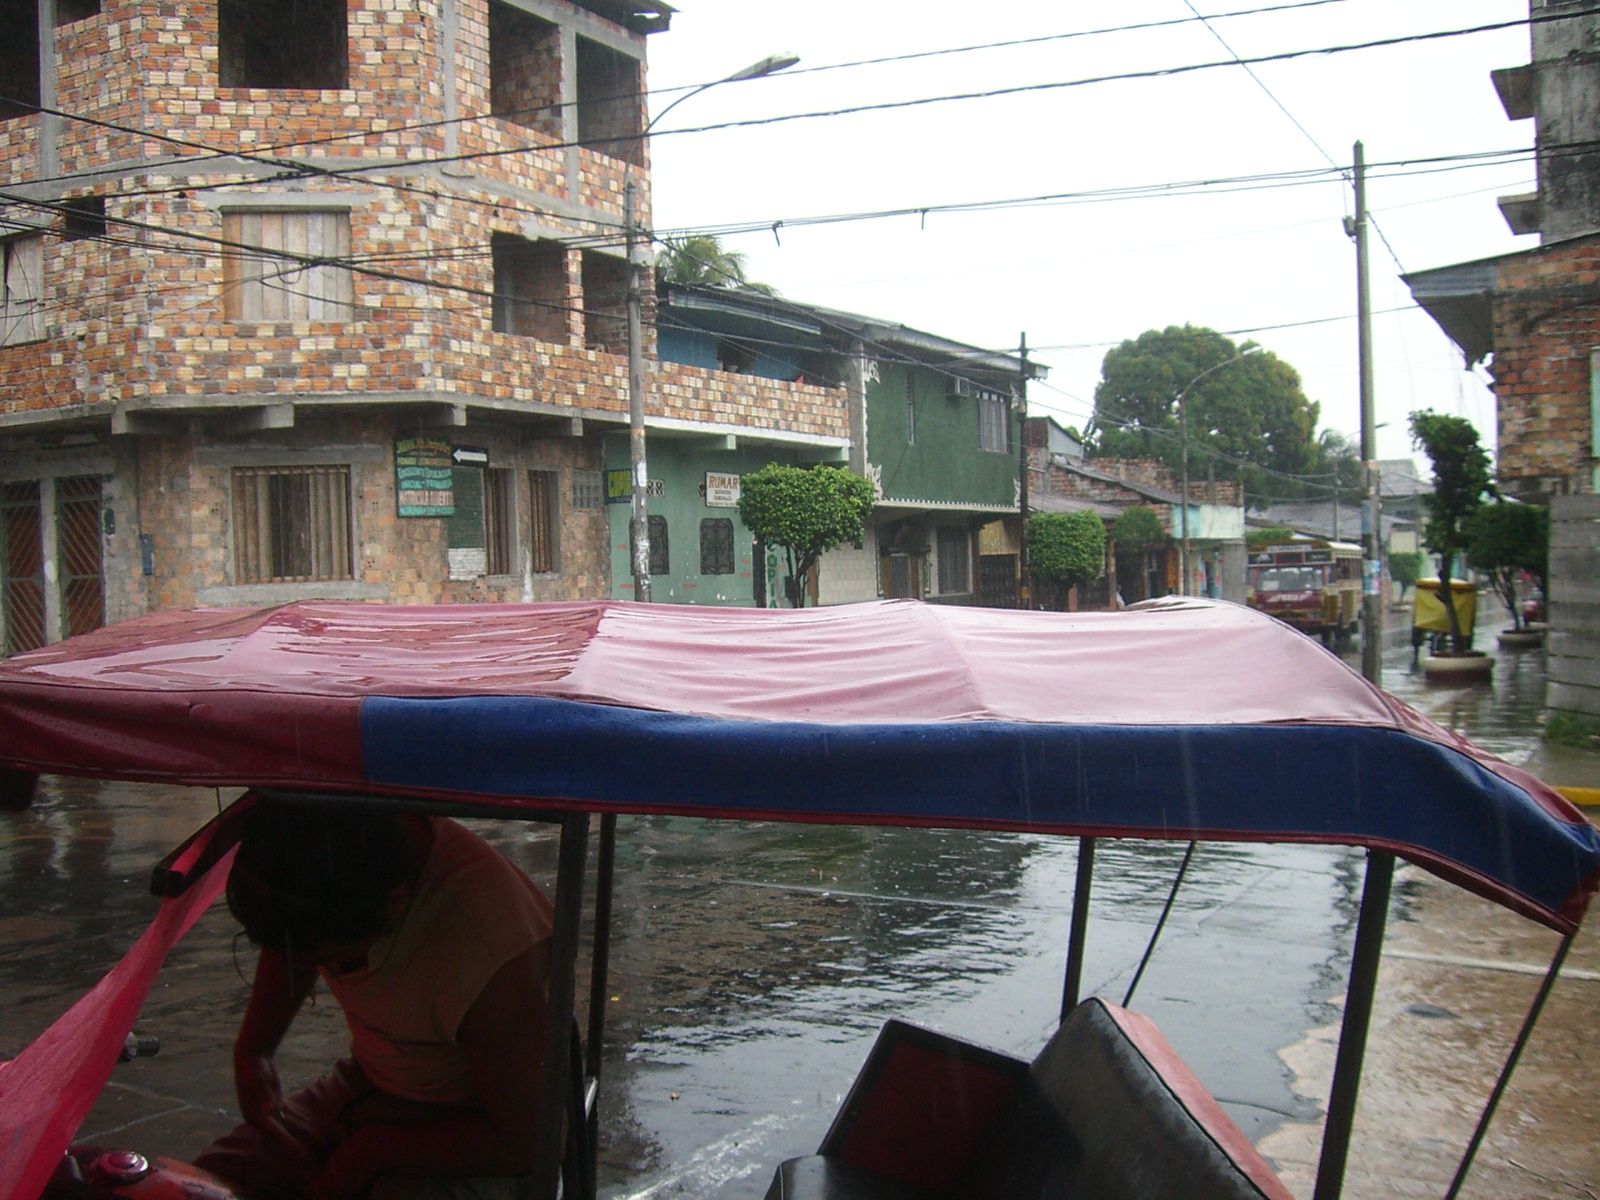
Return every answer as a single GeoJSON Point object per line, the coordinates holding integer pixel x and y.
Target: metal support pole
{"type": "Point", "coordinates": [1357, 1017]}
{"type": "Point", "coordinates": [1073, 984]}
{"type": "Point", "coordinates": [638, 518]}
{"type": "Point", "coordinates": [1183, 498]}
{"type": "Point", "coordinates": [1024, 590]}
{"type": "Point", "coordinates": [1511, 1065]}
{"type": "Point", "coordinates": [553, 1081]}
{"type": "Point", "coordinates": [1372, 536]}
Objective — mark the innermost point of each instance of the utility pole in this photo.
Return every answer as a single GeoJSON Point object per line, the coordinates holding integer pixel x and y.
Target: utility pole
{"type": "Point", "coordinates": [1379, 879]}
{"type": "Point", "coordinates": [1024, 592]}
{"type": "Point", "coordinates": [1372, 539]}
{"type": "Point", "coordinates": [638, 518]}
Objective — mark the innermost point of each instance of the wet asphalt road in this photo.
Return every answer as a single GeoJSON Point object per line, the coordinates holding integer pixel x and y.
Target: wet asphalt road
{"type": "Point", "coordinates": [753, 965]}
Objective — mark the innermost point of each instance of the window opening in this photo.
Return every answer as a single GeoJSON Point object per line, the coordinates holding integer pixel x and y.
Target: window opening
{"type": "Point", "coordinates": [272, 44]}
{"type": "Point", "coordinates": [588, 489]}
{"type": "Point", "coordinates": [716, 546]}
{"type": "Point", "coordinates": [84, 217]}
{"type": "Point", "coordinates": [911, 410]}
{"type": "Point", "coordinates": [543, 517]}
{"type": "Point", "coordinates": [19, 59]}
{"type": "Point", "coordinates": [291, 524]}
{"type": "Point", "coordinates": [525, 69]}
{"type": "Point", "coordinates": [68, 11]}
{"type": "Point", "coordinates": [660, 557]}
{"type": "Point", "coordinates": [609, 101]}
{"type": "Point", "coordinates": [279, 284]}
{"type": "Point", "coordinates": [499, 520]}
{"type": "Point", "coordinates": [994, 421]}
{"type": "Point", "coordinates": [955, 560]}
{"type": "Point", "coordinates": [605, 303]}
{"type": "Point", "coordinates": [530, 288]}
{"type": "Point", "coordinates": [22, 314]}
{"type": "Point", "coordinates": [735, 357]}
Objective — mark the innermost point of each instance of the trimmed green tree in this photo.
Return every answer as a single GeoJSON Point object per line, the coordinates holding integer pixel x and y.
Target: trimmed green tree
{"type": "Point", "coordinates": [1505, 539]}
{"type": "Point", "coordinates": [1405, 568]}
{"type": "Point", "coordinates": [1066, 549]}
{"type": "Point", "coordinates": [806, 510]}
{"type": "Point", "coordinates": [1461, 479]}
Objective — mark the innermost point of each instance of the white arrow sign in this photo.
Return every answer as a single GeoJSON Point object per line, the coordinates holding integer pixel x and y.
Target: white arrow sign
{"type": "Point", "coordinates": [461, 455]}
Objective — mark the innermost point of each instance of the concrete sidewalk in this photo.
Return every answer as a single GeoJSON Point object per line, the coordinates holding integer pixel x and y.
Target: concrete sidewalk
{"type": "Point", "coordinates": [1572, 770]}
{"type": "Point", "coordinates": [1459, 974]}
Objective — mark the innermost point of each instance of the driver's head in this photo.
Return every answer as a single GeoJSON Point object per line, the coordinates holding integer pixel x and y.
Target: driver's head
{"type": "Point", "coordinates": [312, 876]}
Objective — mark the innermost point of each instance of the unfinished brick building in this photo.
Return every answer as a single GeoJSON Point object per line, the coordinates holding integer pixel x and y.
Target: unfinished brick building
{"type": "Point", "coordinates": [317, 300]}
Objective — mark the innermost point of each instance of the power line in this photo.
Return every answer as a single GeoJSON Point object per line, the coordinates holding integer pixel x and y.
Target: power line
{"type": "Point", "coordinates": [300, 171]}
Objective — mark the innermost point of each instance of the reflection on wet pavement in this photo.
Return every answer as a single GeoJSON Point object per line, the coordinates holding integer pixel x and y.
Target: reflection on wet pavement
{"type": "Point", "coordinates": [752, 966]}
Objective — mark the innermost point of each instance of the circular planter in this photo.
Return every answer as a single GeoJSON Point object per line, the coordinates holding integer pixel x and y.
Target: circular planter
{"type": "Point", "coordinates": [1458, 668]}
{"type": "Point", "coordinates": [1520, 639]}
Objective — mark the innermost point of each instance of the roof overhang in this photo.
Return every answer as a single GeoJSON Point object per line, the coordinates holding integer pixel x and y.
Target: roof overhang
{"type": "Point", "coordinates": [1461, 300]}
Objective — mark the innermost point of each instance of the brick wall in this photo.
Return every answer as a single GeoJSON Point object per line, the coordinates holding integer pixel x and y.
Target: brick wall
{"type": "Point", "coordinates": [1547, 325]}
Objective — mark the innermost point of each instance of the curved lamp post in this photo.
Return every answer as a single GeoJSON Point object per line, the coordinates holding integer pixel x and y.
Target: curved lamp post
{"type": "Point", "coordinates": [638, 520]}
{"type": "Point", "coordinates": [1183, 438]}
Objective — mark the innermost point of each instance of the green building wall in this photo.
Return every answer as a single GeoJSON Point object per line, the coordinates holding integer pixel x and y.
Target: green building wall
{"type": "Point", "coordinates": [680, 467]}
{"type": "Point", "coordinates": [942, 464]}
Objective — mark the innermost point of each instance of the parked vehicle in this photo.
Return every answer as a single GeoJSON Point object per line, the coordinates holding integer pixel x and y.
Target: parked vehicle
{"type": "Point", "coordinates": [1167, 720]}
{"type": "Point", "coordinates": [1310, 584]}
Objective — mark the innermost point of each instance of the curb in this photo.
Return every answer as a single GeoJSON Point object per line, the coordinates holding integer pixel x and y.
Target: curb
{"type": "Point", "coordinates": [1583, 797]}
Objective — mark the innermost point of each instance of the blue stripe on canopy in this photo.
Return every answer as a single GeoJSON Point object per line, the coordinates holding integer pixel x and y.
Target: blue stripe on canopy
{"type": "Point", "coordinates": [1334, 784]}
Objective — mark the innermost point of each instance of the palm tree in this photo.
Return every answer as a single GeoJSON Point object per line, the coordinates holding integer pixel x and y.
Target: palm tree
{"type": "Point", "coordinates": [700, 259]}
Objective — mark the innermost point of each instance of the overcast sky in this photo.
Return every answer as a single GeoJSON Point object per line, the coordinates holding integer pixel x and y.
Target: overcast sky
{"type": "Point", "coordinates": [1077, 276]}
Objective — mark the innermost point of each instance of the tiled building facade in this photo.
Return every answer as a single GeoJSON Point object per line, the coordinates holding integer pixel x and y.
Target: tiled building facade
{"type": "Point", "coordinates": [323, 300]}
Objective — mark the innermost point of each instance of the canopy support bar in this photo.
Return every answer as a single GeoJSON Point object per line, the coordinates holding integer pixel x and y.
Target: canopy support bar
{"type": "Point", "coordinates": [1155, 934]}
{"type": "Point", "coordinates": [1511, 1065]}
{"type": "Point", "coordinates": [1073, 984]}
{"type": "Point", "coordinates": [553, 1083]}
{"type": "Point", "coordinates": [1357, 1017]}
{"type": "Point", "coordinates": [599, 979]}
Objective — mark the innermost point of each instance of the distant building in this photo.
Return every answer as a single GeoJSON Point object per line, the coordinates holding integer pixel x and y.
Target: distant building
{"type": "Point", "coordinates": [932, 422]}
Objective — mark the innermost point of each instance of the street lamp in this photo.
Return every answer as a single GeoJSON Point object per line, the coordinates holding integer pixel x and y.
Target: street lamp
{"type": "Point", "coordinates": [638, 520]}
{"type": "Point", "coordinates": [1183, 438]}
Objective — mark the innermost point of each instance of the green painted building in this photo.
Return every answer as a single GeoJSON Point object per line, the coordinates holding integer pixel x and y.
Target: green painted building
{"type": "Point", "coordinates": [934, 424]}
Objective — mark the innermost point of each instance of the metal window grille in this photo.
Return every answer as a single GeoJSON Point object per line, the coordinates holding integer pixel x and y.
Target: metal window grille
{"type": "Point", "coordinates": [280, 284]}
{"type": "Point", "coordinates": [716, 546]}
{"type": "Point", "coordinates": [499, 521]}
{"type": "Point", "coordinates": [544, 530]}
{"type": "Point", "coordinates": [588, 489]}
{"type": "Point", "coordinates": [291, 524]}
{"type": "Point", "coordinates": [21, 566]}
{"type": "Point", "coordinates": [955, 561]}
{"type": "Point", "coordinates": [660, 555]}
{"type": "Point", "coordinates": [80, 553]}
{"type": "Point", "coordinates": [911, 410]}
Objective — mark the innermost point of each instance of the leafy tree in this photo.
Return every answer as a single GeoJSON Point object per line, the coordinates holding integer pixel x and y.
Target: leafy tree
{"type": "Point", "coordinates": [1267, 537]}
{"type": "Point", "coordinates": [1504, 539]}
{"type": "Point", "coordinates": [1138, 529]}
{"type": "Point", "coordinates": [1066, 549]}
{"type": "Point", "coordinates": [702, 260]}
{"type": "Point", "coordinates": [807, 511]}
{"type": "Point", "coordinates": [1460, 481]}
{"type": "Point", "coordinates": [1248, 409]}
{"type": "Point", "coordinates": [1405, 568]}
